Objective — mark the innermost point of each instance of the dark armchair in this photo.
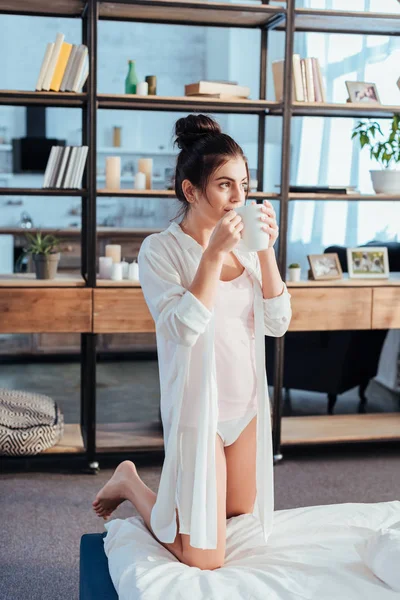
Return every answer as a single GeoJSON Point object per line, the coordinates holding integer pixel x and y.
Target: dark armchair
{"type": "Point", "coordinates": [333, 362]}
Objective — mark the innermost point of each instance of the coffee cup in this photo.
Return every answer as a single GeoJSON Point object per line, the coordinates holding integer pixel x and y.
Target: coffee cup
{"type": "Point", "coordinates": [254, 237]}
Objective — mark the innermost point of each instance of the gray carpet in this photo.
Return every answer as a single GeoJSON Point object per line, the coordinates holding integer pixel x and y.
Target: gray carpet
{"type": "Point", "coordinates": [44, 515]}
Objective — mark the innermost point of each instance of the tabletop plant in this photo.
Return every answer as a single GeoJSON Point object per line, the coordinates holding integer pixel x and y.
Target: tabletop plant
{"type": "Point", "coordinates": [386, 151]}
{"type": "Point", "coordinates": [45, 251]}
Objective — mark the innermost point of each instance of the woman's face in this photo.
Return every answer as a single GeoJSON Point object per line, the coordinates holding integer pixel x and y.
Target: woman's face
{"type": "Point", "coordinates": [226, 190]}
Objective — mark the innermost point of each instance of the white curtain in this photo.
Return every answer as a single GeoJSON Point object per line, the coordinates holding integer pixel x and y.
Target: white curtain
{"type": "Point", "coordinates": [323, 152]}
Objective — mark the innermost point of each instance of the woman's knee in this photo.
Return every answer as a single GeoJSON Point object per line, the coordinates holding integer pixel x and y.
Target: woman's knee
{"type": "Point", "coordinates": [204, 559]}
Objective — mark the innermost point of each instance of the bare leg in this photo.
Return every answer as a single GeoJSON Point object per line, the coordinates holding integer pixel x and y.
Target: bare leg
{"type": "Point", "coordinates": [125, 484]}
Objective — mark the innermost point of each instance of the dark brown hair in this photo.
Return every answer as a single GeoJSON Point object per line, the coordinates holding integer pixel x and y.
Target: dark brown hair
{"type": "Point", "coordinates": [204, 148]}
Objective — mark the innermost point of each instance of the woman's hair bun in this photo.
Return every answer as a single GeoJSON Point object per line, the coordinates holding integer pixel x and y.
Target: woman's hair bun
{"type": "Point", "coordinates": [190, 129]}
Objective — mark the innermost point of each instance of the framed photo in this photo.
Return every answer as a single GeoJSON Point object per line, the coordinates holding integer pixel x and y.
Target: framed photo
{"type": "Point", "coordinates": [368, 262]}
{"type": "Point", "coordinates": [325, 266]}
{"type": "Point", "coordinates": [361, 91]}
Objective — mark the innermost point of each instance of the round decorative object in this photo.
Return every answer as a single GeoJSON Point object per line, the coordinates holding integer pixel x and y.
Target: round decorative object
{"type": "Point", "coordinates": [29, 423]}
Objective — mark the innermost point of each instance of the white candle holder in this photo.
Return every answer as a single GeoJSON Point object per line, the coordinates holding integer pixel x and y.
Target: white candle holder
{"type": "Point", "coordinates": [133, 272]}
{"type": "Point", "coordinates": [113, 172]}
{"type": "Point", "coordinates": [105, 267]}
{"type": "Point", "coordinates": [114, 250]}
{"type": "Point", "coordinates": [145, 165]}
{"type": "Point", "coordinates": [142, 89]}
{"type": "Point", "coordinates": [116, 274]}
{"type": "Point", "coordinates": [140, 181]}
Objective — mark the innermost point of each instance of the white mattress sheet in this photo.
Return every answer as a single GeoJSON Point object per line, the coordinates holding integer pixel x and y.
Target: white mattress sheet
{"type": "Point", "coordinates": [345, 551]}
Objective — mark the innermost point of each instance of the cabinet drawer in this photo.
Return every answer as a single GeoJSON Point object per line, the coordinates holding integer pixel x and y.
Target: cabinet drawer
{"type": "Point", "coordinates": [115, 311]}
{"type": "Point", "coordinates": [37, 310]}
{"type": "Point", "coordinates": [386, 308]}
{"type": "Point", "coordinates": [328, 309]}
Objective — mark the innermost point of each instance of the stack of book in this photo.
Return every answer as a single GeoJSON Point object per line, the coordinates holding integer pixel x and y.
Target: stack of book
{"type": "Point", "coordinates": [223, 90]}
{"type": "Point", "coordinates": [308, 85]}
{"type": "Point", "coordinates": [65, 67]}
{"type": "Point", "coordinates": [65, 167]}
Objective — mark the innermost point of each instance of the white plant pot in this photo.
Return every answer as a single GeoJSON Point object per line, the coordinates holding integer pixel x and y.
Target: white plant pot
{"type": "Point", "coordinates": [386, 181]}
{"type": "Point", "coordinates": [294, 274]}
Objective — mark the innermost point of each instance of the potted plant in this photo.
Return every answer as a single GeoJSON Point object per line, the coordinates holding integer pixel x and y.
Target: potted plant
{"type": "Point", "coordinates": [45, 253]}
{"type": "Point", "coordinates": [294, 272]}
{"type": "Point", "coordinates": [386, 152]}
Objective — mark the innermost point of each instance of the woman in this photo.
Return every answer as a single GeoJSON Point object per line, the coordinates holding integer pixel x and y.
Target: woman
{"type": "Point", "coordinates": [212, 305]}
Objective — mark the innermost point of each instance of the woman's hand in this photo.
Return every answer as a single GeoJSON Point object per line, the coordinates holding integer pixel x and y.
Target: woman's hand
{"type": "Point", "coordinates": [269, 218]}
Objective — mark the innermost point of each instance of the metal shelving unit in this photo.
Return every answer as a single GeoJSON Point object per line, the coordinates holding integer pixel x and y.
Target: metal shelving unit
{"type": "Point", "coordinates": [218, 14]}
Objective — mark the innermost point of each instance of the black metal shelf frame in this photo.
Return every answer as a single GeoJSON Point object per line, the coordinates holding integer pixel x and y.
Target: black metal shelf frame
{"type": "Point", "coordinates": [287, 19]}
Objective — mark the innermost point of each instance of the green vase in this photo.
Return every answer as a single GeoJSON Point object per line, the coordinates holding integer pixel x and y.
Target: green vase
{"type": "Point", "coordinates": [131, 80]}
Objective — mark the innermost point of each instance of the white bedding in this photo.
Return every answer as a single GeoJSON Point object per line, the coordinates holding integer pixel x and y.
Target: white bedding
{"type": "Point", "coordinates": [333, 552]}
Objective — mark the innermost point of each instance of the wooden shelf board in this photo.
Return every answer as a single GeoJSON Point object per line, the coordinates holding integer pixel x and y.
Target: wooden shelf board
{"type": "Point", "coordinates": [168, 193]}
{"type": "Point", "coordinates": [29, 280]}
{"type": "Point", "coordinates": [26, 97]}
{"type": "Point", "coordinates": [60, 8]}
{"type": "Point", "coordinates": [6, 191]}
{"type": "Point", "coordinates": [340, 428]}
{"type": "Point", "coordinates": [123, 283]}
{"type": "Point", "coordinates": [191, 12]}
{"type": "Point", "coordinates": [135, 436]}
{"type": "Point", "coordinates": [179, 103]}
{"type": "Point", "coordinates": [71, 442]}
{"type": "Point", "coordinates": [347, 21]}
{"type": "Point", "coordinates": [346, 197]}
{"type": "Point", "coordinates": [117, 437]}
{"type": "Point", "coordinates": [346, 109]}
{"type": "Point", "coordinates": [394, 280]}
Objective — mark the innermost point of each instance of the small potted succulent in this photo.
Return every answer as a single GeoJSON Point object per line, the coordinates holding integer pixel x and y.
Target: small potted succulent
{"type": "Point", "coordinates": [45, 253]}
{"type": "Point", "coordinates": [385, 151]}
{"type": "Point", "coordinates": [294, 272]}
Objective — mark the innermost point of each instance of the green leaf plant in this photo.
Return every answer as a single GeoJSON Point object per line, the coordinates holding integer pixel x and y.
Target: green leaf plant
{"type": "Point", "coordinates": [42, 244]}
{"type": "Point", "coordinates": [386, 151]}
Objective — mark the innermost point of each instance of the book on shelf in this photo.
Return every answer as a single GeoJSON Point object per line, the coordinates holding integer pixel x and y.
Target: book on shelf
{"type": "Point", "coordinates": [65, 167]}
{"type": "Point", "coordinates": [323, 189]}
{"type": "Point", "coordinates": [307, 82]}
{"type": "Point", "coordinates": [65, 67]}
{"type": "Point", "coordinates": [211, 87]}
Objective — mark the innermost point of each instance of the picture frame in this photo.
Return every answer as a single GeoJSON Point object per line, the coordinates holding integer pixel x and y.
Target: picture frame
{"type": "Point", "coordinates": [325, 266]}
{"type": "Point", "coordinates": [368, 262]}
{"type": "Point", "coordinates": [363, 92]}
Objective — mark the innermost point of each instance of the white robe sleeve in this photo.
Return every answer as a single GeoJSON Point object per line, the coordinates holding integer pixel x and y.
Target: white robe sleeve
{"type": "Point", "coordinates": [177, 313]}
{"type": "Point", "coordinates": [277, 311]}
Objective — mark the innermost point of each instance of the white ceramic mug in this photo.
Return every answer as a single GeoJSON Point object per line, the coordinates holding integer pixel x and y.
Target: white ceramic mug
{"type": "Point", "coordinates": [254, 238]}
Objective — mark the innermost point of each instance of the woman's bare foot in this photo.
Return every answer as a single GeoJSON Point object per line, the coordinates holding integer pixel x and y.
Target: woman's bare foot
{"type": "Point", "coordinates": [114, 492]}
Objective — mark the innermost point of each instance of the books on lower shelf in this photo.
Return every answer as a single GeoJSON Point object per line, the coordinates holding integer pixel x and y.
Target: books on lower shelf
{"type": "Point", "coordinates": [65, 67]}
{"type": "Point", "coordinates": [216, 89]}
{"type": "Point", "coordinates": [65, 167]}
{"type": "Point", "coordinates": [323, 189]}
{"type": "Point", "coordinates": [307, 81]}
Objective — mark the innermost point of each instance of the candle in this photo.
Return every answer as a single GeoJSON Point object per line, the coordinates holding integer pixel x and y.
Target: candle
{"type": "Point", "coordinates": [140, 181]}
{"type": "Point", "coordinates": [113, 172]}
{"type": "Point", "coordinates": [114, 250]}
{"type": "Point", "coordinates": [116, 136]}
{"type": "Point", "coordinates": [105, 267]}
{"type": "Point", "coordinates": [145, 165]}
{"type": "Point", "coordinates": [116, 274]}
{"type": "Point", "coordinates": [142, 88]}
{"type": "Point", "coordinates": [152, 81]}
{"type": "Point", "coordinates": [124, 269]}
{"type": "Point", "coordinates": [133, 272]}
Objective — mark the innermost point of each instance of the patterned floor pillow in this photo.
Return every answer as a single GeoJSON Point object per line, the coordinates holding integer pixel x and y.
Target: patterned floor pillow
{"type": "Point", "coordinates": [29, 423]}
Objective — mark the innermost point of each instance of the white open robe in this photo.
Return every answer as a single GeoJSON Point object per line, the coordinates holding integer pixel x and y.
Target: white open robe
{"type": "Point", "coordinates": [168, 262]}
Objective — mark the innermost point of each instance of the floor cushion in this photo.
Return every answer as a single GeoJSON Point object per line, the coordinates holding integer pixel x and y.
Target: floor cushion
{"type": "Point", "coordinates": [94, 578]}
{"type": "Point", "coordinates": [313, 553]}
